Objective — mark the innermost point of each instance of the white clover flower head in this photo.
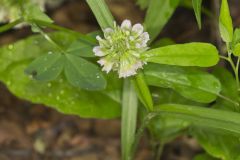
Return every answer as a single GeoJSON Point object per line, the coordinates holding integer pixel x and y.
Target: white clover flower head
{"type": "Point", "coordinates": [121, 47]}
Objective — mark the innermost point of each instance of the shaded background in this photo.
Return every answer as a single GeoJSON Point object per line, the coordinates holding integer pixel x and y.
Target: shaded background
{"type": "Point", "coordinates": [35, 132]}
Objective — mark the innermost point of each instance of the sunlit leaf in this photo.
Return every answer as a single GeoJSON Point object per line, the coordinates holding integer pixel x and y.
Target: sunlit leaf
{"type": "Point", "coordinates": [225, 22]}
{"type": "Point", "coordinates": [197, 5]}
{"type": "Point", "coordinates": [188, 54]}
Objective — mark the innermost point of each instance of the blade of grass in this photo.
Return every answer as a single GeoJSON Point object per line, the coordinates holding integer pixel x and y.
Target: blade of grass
{"type": "Point", "coordinates": [102, 13]}
{"type": "Point", "coordinates": [129, 119]}
{"type": "Point", "coordinates": [219, 119]}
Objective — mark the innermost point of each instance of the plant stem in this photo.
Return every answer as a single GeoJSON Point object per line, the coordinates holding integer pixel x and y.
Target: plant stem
{"type": "Point", "coordinates": [59, 28]}
{"type": "Point", "coordinates": [10, 25]}
{"type": "Point", "coordinates": [141, 129]}
{"type": "Point", "coordinates": [49, 39]}
{"type": "Point", "coordinates": [159, 151]}
{"type": "Point", "coordinates": [237, 72]}
{"type": "Point", "coordinates": [129, 119]}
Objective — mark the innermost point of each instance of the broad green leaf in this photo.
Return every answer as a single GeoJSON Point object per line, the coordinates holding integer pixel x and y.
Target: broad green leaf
{"type": "Point", "coordinates": [158, 14]}
{"type": "Point", "coordinates": [218, 144]}
{"type": "Point", "coordinates": [197, 5]}
{"type": "Point", "coordinates": [102, 13]}
{"type": "Point", "coordinates": [58, 94]}
{"type": "Point", "coordinates": [204, 156]}
{"type": "Point", "coordinates": [190, 83]}
{"type": "Point", "coordinates": [143, 91]}
{"type": "Point", "coordinates": [189, 54]}
{"type": "Point", "coordinates": [128, 119]}
{"type": "Point", "coordinates": [225, 22]}
{"type": "Point", "coordinates": [226, 121]}
{"type": "Point", "coordinates": [81, 48]}
{"type": "Point", "coordinates": [83, 74]}
{"type": "Point", "coordinates": [229, 89]}
{"type": "Point", "coordinates": [47, 67]}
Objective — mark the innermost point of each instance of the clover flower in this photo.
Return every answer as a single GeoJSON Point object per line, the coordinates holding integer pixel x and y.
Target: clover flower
{"type": "Point", "coordinates": [121, 47]}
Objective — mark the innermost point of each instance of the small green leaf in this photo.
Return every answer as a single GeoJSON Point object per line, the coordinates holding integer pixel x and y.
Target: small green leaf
{"type": "Point", "coordinates": [197, 5]}
{"type": "Point", "coordinates": [189, 54]}
{"type": "Point", "coordinates": [143, 91]}
{"type": "Point", "coordinates": [236, 36]}
{"type": "Point", "coordinates": [129, 119]}
{"type": "Point", "coordinates": [225, 22]}
{"type": "Point", "coordinates": [236, 50]}
{"type": "Point", "coordinates": [83, 74]}
{"type": "Point", "coordinates": [158, 14]}
{"type": "Point", "coordinates": [81, 48]}
{"type": "Point", "coordinates": [190, 83]}
{"type": "Point", "coordinates": [47, 67]}
{"type": "Point", "coordinates": [236, 42]}
{"type": "Point", "coordinates": [102, 13]}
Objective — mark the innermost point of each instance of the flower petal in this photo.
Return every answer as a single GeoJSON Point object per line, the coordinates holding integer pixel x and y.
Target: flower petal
{"type": "Point", "coordinates": [126, 24]}
{"type": "Point", "coordinates": [98, 38]}
{"type": "Point", "coordinates": [98, 52]}
{"type": "Point", "coordinates": [107, 67]}
{"type": "Point", "coordinates": [107, 32]}
{"type": "Point", "coordinates": [102, 61]}
{"type": "Point", "coordinates": [145, 37]}
{"type": "Point", "coordinates": [138, 28]}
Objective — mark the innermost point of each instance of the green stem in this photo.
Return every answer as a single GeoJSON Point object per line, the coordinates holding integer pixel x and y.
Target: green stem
{"type": "Point", "coordinates": [129, 119]}
{"type": "Point", "coordinates": [10, 25]}
{"type": "Point", "coordinates": [141, 130]}
{"type": "Point", "coordinates": [159, 151]}
{"type": "Point", "coordinates": [237, 72]}
{"type": "Point", "coordinates": [49, 39]}
{"type": "Point", "coordinates": [59, 28]}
